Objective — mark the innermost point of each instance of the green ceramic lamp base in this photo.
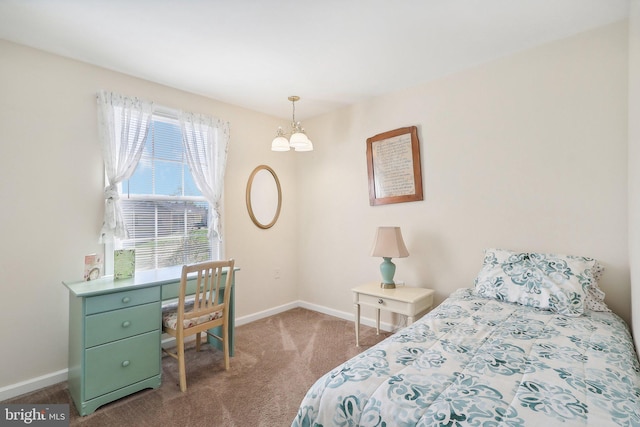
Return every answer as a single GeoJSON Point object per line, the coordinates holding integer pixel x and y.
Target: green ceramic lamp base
{"type": "Point", "coordinates": [387, 270]}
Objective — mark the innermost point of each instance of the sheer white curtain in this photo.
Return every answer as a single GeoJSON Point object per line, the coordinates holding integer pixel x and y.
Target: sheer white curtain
{"type": "Point", "coordinates": [123, 124]}
{"type": "Point", "coordinates": [206, 140]}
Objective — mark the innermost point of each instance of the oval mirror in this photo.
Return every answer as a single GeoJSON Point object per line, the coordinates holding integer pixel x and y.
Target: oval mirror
{"type": "Point", "coordinates": [264, 197]}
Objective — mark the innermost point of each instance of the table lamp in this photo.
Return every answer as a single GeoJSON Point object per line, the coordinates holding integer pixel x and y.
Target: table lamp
{"type": "Point", "coordinates": [388, 244]}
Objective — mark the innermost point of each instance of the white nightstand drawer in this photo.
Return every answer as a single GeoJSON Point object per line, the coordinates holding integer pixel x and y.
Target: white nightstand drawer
{"type": "Point", "coordinates": [384, 303]}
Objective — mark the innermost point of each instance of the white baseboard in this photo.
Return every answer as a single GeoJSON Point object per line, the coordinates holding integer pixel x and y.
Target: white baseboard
{"type": "Point", "coordinates": [266, 313]}
{"type": "Point", "coordinates": [33, 384]}
{"type": "Point", "coordinates": [384, 326]}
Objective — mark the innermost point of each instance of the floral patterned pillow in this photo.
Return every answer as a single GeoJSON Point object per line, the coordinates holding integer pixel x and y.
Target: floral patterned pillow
{"type": "Point", "coordinates": [558, 283]}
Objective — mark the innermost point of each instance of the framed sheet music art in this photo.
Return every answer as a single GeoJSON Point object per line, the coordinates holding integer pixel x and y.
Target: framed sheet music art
{"type": "Point", "coordinates": [393, 164]}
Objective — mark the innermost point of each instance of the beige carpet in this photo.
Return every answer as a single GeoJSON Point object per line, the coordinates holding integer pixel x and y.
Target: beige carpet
{"type": "Point", "coordinates": [276, 360]}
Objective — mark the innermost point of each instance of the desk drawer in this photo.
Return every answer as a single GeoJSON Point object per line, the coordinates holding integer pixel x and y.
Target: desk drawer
{"type": "Point", "coordinates": [114, 301]}
{"type": "Point", "coordinates": [114, 325]}
{"type": "Point", "coordinates": [121, 363]}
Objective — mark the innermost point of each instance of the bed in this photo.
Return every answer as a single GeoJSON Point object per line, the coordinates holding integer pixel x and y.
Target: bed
{"type": "Point", "coordinates": [531, 344]}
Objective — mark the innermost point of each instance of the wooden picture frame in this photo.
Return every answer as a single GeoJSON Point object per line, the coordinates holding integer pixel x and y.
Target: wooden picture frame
{"type": "Point", "coordinates": [393, 164]}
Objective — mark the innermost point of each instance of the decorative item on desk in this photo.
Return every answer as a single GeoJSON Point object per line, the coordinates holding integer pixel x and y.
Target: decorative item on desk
{"type": "Point", "coordinates": [388, 244]}
{"type": "Point", "coordinates": [124, 263]}
{"type": "Point", "coordinates": [92, 267]}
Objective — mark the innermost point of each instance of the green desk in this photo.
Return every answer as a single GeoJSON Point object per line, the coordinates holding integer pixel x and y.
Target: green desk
{"type": "Point", "coordinates": [115, 329]}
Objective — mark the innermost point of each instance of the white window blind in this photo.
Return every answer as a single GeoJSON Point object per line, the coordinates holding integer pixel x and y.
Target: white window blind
{"type": "Point", "coordinates": [165, 214]}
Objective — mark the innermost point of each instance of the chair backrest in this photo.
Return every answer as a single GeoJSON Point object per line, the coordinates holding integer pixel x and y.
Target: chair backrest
{"type": "Point", "coordinates": [208, 277]}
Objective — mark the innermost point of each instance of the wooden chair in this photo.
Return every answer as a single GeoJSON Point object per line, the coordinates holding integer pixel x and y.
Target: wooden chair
{"type": "Point", "coordinates": [205, 310]}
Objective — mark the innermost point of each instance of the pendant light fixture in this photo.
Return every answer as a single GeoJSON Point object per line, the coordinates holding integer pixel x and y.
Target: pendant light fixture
{"type": "Point", "coordinates": [298, 139]}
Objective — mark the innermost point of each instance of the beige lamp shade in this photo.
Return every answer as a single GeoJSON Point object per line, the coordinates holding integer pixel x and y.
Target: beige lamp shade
{"type": "Point", "coordinates": [389, 243]}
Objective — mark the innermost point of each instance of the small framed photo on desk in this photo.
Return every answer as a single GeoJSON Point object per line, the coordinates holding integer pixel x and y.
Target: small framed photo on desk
{"type": "Point", "coordinates": [124, 263]}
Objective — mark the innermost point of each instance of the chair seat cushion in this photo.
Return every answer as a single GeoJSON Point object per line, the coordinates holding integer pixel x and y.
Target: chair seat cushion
{"type": "Point", "coordinates": [170, 319]}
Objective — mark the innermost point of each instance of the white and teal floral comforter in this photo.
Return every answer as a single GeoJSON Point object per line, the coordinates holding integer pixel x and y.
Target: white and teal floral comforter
{"type": "Point", "coordinates": [482, 362]}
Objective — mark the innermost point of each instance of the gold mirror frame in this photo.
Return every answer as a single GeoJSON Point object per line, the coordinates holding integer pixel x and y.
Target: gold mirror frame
{"type": "Point", "coordinates": [250, 203]}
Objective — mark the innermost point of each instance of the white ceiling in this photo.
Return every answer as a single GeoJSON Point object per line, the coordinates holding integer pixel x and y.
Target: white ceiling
{"type": "Point", "coordinates": [332, 53]}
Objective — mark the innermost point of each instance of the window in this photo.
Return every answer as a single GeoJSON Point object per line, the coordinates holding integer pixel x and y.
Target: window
{"type": "Point", "coordinates": [164, 212]}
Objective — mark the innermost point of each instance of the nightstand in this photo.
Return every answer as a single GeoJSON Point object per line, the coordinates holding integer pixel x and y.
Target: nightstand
{"type": "Point", "coordinates": [411, 302]}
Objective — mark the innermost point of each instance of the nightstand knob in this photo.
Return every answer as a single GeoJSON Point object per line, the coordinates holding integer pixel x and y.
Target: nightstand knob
{"type": "Point", "coordinates": [380, 301]}
{"type": "Point", "coordinates": [126, 324]}
{"type": "Point", "coordinates": [125, 363]}
{"type": "Point", "coordinates": [125, 300]}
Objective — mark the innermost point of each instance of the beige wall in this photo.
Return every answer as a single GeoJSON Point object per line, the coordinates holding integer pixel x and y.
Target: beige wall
{"type": "Point", "coordinates": [51, 184]}
{"type": "Point", "coordinates": [634, 163]}
{"type": "Point", "coordinates": [527, 152]}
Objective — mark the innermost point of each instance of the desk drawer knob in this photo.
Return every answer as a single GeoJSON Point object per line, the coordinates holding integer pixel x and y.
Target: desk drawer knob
{"type": "Point", "coordinates": [125, 363]}
{"type": "Point", "coordinates": [380, 301]}
{"type": "Point", "coordinates": [126, 300]}
{"type": "Point", "coordinates": [126, 324]}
